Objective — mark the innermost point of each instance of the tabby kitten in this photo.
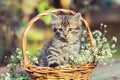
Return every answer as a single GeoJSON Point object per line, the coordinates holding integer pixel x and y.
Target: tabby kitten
{"type": "Point", "coordinates": [66, 41]}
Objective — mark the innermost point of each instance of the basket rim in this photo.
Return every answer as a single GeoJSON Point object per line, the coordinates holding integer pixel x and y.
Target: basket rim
{"type": "Point", "coordinates": [65, 69]}
{"type": "Point", "coordinates": [39, 16]}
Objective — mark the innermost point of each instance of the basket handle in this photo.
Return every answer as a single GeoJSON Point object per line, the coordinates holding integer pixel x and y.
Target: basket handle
{"type": "Point", "coordinates": [25, 60]}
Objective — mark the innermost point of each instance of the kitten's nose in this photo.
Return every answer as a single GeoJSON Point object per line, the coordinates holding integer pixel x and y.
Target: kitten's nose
{"type": "Point", "coordinates": [65, 35]}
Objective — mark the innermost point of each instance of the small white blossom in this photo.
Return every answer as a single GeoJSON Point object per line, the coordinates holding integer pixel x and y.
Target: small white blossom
{"type": "Point", "coordinates": [105, 31]}
{"type": "Point", "coordinates": [102, 49]}
{"type": "Point", "coordinates": [101, 24]}
{"type": "Point", "coordinates": [114, 51]}
{"type": "Point", "coordinates": [105, 63]}
{"type": "Point", "coordinates": [104, 39]}
{"type": "Point", "coordinates": [114, 39]}
{"type": "Point", "coordinates": [113, 46]}
{"type": "Point", "coordinates": [105, 26]}
{"type": "Point", "coordinates": [109, 55]}
{"type": "Point", "coordinates": [82, 39]}
{"type": "Point", "coordinates": [71, 57]}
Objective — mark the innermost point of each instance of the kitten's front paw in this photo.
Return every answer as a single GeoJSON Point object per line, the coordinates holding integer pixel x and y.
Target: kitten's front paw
{"type": "Point", "coordinates": [54, 65]}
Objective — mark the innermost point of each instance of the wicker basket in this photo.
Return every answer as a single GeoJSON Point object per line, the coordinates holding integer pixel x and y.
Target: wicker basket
{"type": "Point", "coordinates": [71, 72]}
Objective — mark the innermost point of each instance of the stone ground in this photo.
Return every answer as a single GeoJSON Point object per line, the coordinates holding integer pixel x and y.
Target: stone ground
{"type": "Point", "coordinates": [107, 72]}
{"type": "Point", "coordinates": [101, 72]}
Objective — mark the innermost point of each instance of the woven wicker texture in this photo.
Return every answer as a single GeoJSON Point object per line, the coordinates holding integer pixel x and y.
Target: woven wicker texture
{"type": "Point", "coordinates": [72, 72]}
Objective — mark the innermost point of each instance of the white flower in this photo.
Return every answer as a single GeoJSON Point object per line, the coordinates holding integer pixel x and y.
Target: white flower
{"type": "Point", "coordinates": [104, 39]}
{"type": "Point", "coordinates": [97, 33]}
{"type": "Point", "coordinates": [101, 24]}
{"type": "Point", "coordinates": [94, 41]}
{"type": "Point", "coordinates": [113, 46]}
{"type": "Point", "coordinates": [80, 60]}
{"type": "Point", "coordinates": [108, 50]}
{"type": "Point", "coordinates": [103, 52]}
{"type": "Point", "coordinates": [114, 51]}
{"type": "Point", "coordinates": [84, 32]}
{"type": "Point", "coordinates": [100, 57]}
{"type": "Point", "coordinates": [72, 57]}
{"type": "Point", "coordinates": [105, 63]}
{"type": "Point", "coordinates": [27, 52]}
{"type": "Point", "coordinates": [82, 39]}
{"type": "Point", "coordinates": [109, 55]}
{"type": "Point", "coordinates": [114, 39]}
{"type": "Point", "coordinates": [96, 50]}
{"type": "Point", "coordinates": [105, 26]}
{"type": "Point", "coordinates": [102, 49]}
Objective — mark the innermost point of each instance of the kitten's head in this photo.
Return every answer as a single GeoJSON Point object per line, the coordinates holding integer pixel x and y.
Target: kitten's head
{"type": "Point", "coordinates": [66, 27]}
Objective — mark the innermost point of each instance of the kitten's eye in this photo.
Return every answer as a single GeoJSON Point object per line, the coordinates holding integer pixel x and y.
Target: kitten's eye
{"type": "Point", "coordinates": [55, 29]}
{"type": "Point", "coordinates": [60, 29]}
{"type": "Point", "coordinates": [77, 28]}
{"type": "Point", "coordinates": [70, 29]}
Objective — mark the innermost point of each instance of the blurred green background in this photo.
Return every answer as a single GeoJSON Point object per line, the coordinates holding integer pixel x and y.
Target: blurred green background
{"type": "Point", "coordinates": [15, 14]}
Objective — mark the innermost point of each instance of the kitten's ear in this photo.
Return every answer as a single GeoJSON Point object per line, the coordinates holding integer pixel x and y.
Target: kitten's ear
{"type": "Point", "coordinates": [54, 16]}
{"type": "Point", "coordinates": [54, 19]}
{"type": "Point", "coordinates": [77, 16]}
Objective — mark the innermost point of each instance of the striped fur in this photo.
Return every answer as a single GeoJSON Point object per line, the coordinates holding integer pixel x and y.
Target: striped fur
{"type": "Point", "coordinates": [66, 41]}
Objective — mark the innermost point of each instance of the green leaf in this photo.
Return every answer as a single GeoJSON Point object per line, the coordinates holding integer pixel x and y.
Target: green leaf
{"type": "Point", "coordinates": [47, 19]}
{"type": "Point", "coordinates": [44, 5]}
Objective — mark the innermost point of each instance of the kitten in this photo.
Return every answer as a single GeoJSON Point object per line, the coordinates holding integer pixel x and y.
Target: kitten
{"type": "Point", "coordinates": [66, 41]}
